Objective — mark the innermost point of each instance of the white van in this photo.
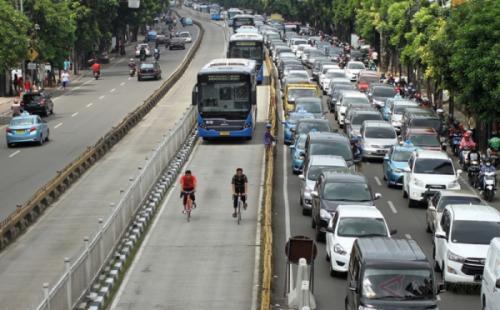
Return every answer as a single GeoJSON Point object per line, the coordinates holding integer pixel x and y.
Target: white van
{"type": "Point", "coordinates": [490, 288]}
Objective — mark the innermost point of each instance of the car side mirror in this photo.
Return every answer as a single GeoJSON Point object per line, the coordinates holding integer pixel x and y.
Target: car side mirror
{"type": "Point", "coordinates": [407, 170]}
{"type": "Point", "coordinates": [353, 286]}
{"type": "Point", "coordinates": [432, 208]}
{"type": "Point", "coordinates": [497, 283]}
{"type": "Point", "coordinates": [440, 235]}
{"type": "Point", "coordinates": [330, 229]}
{"type": "Point", "coordinates": [302, 177]}
{"type": "Point", "coordinates": [347, 121]}
{"type": "Point", "coordinates": [459, 171]}
{"type": "Point", "coordinates": [314, 194]}
{"type": "Point", "coordinates": [442, 288]}
{"type": "Point", "coordinates": [393, 232]}
{"type": "Point", "coordinates": [386, 157]}
{"type": "Point", "coordinates": [377, 196]}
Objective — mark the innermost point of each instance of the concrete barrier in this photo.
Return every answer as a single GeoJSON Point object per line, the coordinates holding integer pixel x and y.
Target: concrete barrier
{"type": "Point", "coordinates": [17, 222]}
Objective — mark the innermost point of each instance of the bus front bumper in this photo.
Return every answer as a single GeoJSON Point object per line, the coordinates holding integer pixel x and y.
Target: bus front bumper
{"type": "Point", "coordinates": [211, 133]}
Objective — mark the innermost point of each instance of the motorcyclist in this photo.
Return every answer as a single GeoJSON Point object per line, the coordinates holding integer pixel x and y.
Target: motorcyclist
{"type": "Point", "coordinates": [473, 155]}
{"type": "Point", "coordinates": [486, 167]}
{"type": "Point", "coordinates": [157, 53]}
{"type": "Point", "coordinates": [356, 148]}
{"type": "Point", "coordinates": [142, 53]}
{"type": "Point", "coordinates": [132, 65]}
{"type": "Point", "coordinates": [96, 68]}
{"type": "Point", "coordinates": [466, 144]}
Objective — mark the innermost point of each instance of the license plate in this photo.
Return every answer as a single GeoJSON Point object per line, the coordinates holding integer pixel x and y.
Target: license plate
{"type": "Point", "coordinates": [20, 132]}
{"type": "Point", "coordinates": [381, 151]}
{"type": "Point", "coordinates": [478, 277]}
{"type": "Point", "coordinates": [224, 133]}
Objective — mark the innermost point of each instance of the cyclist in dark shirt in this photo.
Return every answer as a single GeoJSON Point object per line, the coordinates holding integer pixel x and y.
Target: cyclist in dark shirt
{"type": "Point", "coordinates": [239, 186]}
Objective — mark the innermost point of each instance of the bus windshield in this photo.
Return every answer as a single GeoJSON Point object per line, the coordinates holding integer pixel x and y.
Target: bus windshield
{"type": "Point", "coordinates": [246, 49]}
{"type": "Point", "coordinates": [222, 97]}
{"type": "Point", "coordinates": [242, 21]}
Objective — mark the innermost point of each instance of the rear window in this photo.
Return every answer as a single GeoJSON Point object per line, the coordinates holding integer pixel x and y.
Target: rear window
{"type": "Point", "coordinates": [444, 201]}
{"type": "Point", "coordinates": [147, 66]}
{"type": "Point", "coordinates": [359, 119]}
{"type": "Point", "coordinates": [426, 123]}
{"type": "Point", "coordinates": [22, 121]}
{"type": "Point", "coordinates": [31, 97]}
{"type": "Point", "coordinates": [380, 133]}
{"type": "Point", "coordinates": [368, 79]}
{"type": "Point", "coordinates": [384, 92]}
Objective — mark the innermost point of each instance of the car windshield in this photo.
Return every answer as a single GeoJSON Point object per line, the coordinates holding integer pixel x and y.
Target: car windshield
{"type": "Point", "coordinates": [474, 232]}
{"type": "Point", "coordinates": [425, 140]}
{"type": "Point", "coordinates": [301, 142]}
{"type": "Point", "coordinates": [380, 133]}
{"type": "Point", "coordinates": [433, 166]}
{"type": "Point", "coordinates": [27, 98]}
{"type": "Point", "coordinates": [355, 66]}
{"type": "Point", "coordinates": [306, 127]}
{"type": "Point", "coordinates": [297, 93]}
{"type": "Point", "coordinates": [401, 156]}
{"type": "Point", "coordinates": [334, 74]}
{"type": "Point", "coordinates": [362, 100]}
{"type": "Point", "coordinates": [399, 109]}
{"type": "Point", "coordinates": [310, 107]}
{"type": "Point", "coordinates": [339, 87]}
{"type": "Point", "coordinates": [427, 123]}
{"type": "Point", "coordinates": [22, 121]}
{"type": "Point", "coordinates": [361, 227]}
{"type": "Point", "coordinates": [360, 118]}
{"type": "Point", "coordinates": [294, 117]}
{"type": "Point", "coordinates": [331, 148]}
{"type": "Point", "coordinates": [298, 42]}
{"type": "Point", "coordinates": [457, 200]}
{"type": "Point", "coordinates": [357, 192]}
{"type": "Point", "coordinates": [299, 75]}
{"type": "Point", "coordinates": [147, 66]}
{"type": "Point", "coordinates": [399, 284]}
{"type": "Point", "coordinates": [185, 34]}
{"type": "Point", "coordinates": [383, 92]}
{"type": "Point", "coordinates": [315, 53]}
{"type": "Point", "coordinates": [368, 79]}
{"type": "Point", "coordinates": [314, 171]}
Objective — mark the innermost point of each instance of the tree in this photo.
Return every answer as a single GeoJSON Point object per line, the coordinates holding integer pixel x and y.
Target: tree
{"type": "Point", "coordinates": [13, 36]}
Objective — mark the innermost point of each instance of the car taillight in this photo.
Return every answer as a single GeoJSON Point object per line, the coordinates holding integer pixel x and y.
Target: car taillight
{"type": "Point", "coordinates": [9, 130]}
{"type": "Point", "coordinates": [32, 129]}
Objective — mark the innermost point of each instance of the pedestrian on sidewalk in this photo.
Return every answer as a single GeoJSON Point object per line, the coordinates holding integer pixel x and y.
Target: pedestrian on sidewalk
{"type": "Point", "coordinates": [65, 79]}
{"type": "Point", "coordinates": [268, 137]}
{"type": "Point", "coordinates": [27, 86]}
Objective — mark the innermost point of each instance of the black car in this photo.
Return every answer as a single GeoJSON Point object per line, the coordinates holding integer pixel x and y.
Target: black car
{"type": "Point", "coordinates": [304, 126]}
{"type": "Point", "coordinates": [421, 120]}
{"type": "Point", "coordinates": [149, 71]}
{"type": "Point", "coordinates": [388, 273]}
{"type": "Point", "coordinates": [177, 43]}
{"type": "Point", "coordinates": [378, 93]}
{"type": "Point", "coordinates": [335, 188]}
{"type": "Point", "coordinates": [328, 143]}
{"type": "Point", "coordinates": [37, 103]}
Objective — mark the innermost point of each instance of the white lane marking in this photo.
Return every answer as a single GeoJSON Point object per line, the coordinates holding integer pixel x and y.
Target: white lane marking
{"type": "Point", "coordinates": [378, 181]}
{"type": "Point", "coordinates": [58, 125]}
{"type": "Point", "coordinates": [111, 91]}
{"type": "Point", "coordinates": [129, 78]}
{"type": "Point", "coordinates": [101, 97]}
{"type": "Point", "coordinates": [56, 98]}
{"type": "Point", "coordinates": [88, 81]}
{"type": "Point", "coordinates": [393, 208]}
{"type": "Point", "coordinates": [287, 203]}
{"type": "Point", "coordinates": [438, 298]}
{"type": "Point", "coordinates": [408, 236]}
{"type": "Point", "coordinates": [77, 88]}
{"type": "Point", "coordinates": [122, 83]}
{"type": "Point", "coordinates": [138, 256]}
{"type": "Point", "coordinates": [14, 154]}
{"type": "Point", "coordinates": [89, 105]}
{"type": "Point", "coordinates": [74, 114]}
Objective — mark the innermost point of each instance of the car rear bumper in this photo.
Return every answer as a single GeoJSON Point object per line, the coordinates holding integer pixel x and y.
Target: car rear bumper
{"type": "Point", "coordinates": [32, 137]}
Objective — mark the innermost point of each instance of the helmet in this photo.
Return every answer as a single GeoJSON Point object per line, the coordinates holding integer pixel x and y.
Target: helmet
{"type": "Point", "coordinates": [487, 163]}
{"type": "Point", "coordinates": [467, 134]}
{"type": "Point", "coordinates": [268, 125]}
{"type": "Point", "coordinates": [132, 60]}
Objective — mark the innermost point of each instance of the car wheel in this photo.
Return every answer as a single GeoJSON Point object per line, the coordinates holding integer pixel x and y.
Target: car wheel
{"type": "Point", "coordinates": [313, 223]}
{"type": "Point", "coordinates": [47, 138]}
{"type": "Point", "coordinates": [327, 257]}
{"type": "Point", "coordinates": [411, 203]}
{"type": "Point", "coordinates": [436, 264]}
{"type": "Point", "coordinates": [138, 78]}
{"type": "Point", "coordinates": [40, 142]}
{"type": "Point", "coordinates": [300, 200]}
{"type": "Point", "coordinates": [428, 228]}
{"type": "Point", "coordinates": [333, 273]}
{"type": "Point", "coordinates": [9, 145]}
{"type": "Point", "coordinates": [405, 194]}
{"type": "Point", "coordinates": [46, 112]}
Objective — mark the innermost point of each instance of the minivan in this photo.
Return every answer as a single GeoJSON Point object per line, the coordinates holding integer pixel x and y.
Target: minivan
{"type": "Point", "coordinates": [490, 288]}
{"type": "Point", "coordinates": [388, 273]}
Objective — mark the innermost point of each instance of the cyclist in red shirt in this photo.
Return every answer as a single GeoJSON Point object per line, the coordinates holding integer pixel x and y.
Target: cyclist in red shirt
{"type": "Point", "coordinates": [188, 186]}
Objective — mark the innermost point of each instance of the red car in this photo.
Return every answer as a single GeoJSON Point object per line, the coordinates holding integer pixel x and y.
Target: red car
{"type": "Point", "coordinates": [424, 138]}
{"type": "Point", "coordinates": [365, 79]}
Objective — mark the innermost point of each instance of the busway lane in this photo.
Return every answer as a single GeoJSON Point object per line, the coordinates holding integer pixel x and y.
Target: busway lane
{"type": "Point", "coordinates": [210, 262]}
{"type": "Point", "coordinates": [83, 114]}
{"type": "Point", "coordinates": [38, 255]}
{"type": "Point", "coordinates": [330, 292]}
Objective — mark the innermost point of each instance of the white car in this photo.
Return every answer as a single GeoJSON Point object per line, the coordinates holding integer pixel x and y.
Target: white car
{"type": "Point", "coordinates": [316, 165]}
{"type": "Point", "coordinates": [353, 68]}
{"type": "Point", "coordinates": [299, 50]}
{"type": "Point", "coordinates": [295, 42]}
{"type": "Point", "coordinates": [328, 76]}
{"type": "Point", "coordinates": [440, 200]}
{"type": "Point", "coordinates": [490, 287]}
{"type": "Point", "coordinates": [427, 172]}
{"type": "Point", "coordinates": [461, 241]}
{"type": "Point", "coordinates": [349, 96]}
{"type": "Point", "coordinates": [186, 36]}
{"type": "Point", "coordinates": [348, 224]}
{"type": "Point", "coordinates": [139, 47]}
{"type": "Point", "coordinates": [324, 70]}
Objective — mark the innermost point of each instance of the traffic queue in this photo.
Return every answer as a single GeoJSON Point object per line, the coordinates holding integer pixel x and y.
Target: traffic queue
{"type": "Point", "coordinates": [383, 120]}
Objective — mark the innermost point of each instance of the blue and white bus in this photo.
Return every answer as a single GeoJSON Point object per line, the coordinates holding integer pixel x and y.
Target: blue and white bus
{"type": "Point", "coordinates": [242, 20]}
{"type": "Point", "coordinates": [226, 96]}
{"type": "Point", "coordinates": [250, 46]}
{"type": "Point", "coordinates": [232, 12]}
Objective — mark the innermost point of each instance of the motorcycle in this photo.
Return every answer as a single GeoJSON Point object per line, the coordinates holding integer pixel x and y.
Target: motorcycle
{"type": "Point", "coordinates": [131, 72]}
{"type": "Point", "coordinates": [463, 158]}
{"type": "Point", "coordinates": [455, 139]}
{"type": "Point", "coordinates": [97, 74]}
{"type": "Point", "coordinates": [473, 173]}
{"type": "Point", "coordinates": [157, 56]}
{"type": "Point", "coordinates": [489, 185]}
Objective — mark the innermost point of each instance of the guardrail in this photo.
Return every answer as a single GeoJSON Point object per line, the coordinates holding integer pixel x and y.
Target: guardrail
{"type": "Point", "coordinates": [17, 222]}
{"type": "Point", "coordinates": [79, 275]}
{"type": "Point", "coordinates": [267, 232]}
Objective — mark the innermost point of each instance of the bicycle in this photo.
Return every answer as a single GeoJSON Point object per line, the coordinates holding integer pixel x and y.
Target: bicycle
{"type": "Point", "coordinates": [189, 205]}
{"type": "Point", "coordinates": [238, 208]}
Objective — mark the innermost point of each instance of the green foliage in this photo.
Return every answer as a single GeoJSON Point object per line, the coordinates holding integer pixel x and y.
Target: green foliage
{"type": "Point", "coordinates": [13, 38]}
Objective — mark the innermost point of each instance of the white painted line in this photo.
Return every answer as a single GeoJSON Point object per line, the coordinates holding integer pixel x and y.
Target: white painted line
{"type": "Point", "coordinates": [89, 105]}
{"type": "Point", "coordinates": [287, 202]}
{"type": "Point", "coordinates": [408, 236]}
{"type": "Point", "coordinates": [438, 298]}
{"type": "Point", "coordinates": [58, 125]}
{"type": "Point", "coordinates": [378, 181]}
{"type": "Point", "coordinates": [88, 81]}
{"type": "Point", "coordinates": [122, 84]}
{"type": "Point", "coordinates": [113, 90]}
{"type": "Point", "coordinates": [14, 154]}
{"type": "Point", "coordinates": [101, 97]}
{"type": "Point", "coordinates": [129, 78]}
{"type": "Point", "coordinates": [74, 114]}
{"type": "Point", "coordinates": [76, 88]}
{"type": "Point", "coordinates": [393, 208]}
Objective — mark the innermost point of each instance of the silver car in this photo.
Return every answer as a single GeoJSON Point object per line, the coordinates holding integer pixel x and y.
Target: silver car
{"type": "Point", "coordinates": [377, 137]}
{"type": "Point", "coordinates": [317, 164]}
{"type": "Point", "coordinates": [440, 200]}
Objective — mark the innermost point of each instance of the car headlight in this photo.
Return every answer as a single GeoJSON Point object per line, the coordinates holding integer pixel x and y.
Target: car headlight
{"type": "Point", "coordinates": [397, 170]}
{"type": "Point", "coordinates": [325, 215]}
{"type": "Point", "coordinates": [419, 183]}
{"type": "Point", "coordinates": [454, 257]}
{"type": "Point", "coordinates": [453, 184]}
{"type": "Point", "coordinates": [337, 248]}
{"type": "Point", "coordinates": [396, 123]}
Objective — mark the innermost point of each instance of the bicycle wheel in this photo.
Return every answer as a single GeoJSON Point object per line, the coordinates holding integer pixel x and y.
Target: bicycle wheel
{"type": "Point", "coordinates": [189, 205]}
{"type": "Point", "coordinates": [239, 211]}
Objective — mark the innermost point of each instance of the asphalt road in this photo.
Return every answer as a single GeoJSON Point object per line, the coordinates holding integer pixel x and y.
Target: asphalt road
{"type": "Point", "coordinates": [330, 292]}
{"type": "Point", "coordinates": [83, 114]}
